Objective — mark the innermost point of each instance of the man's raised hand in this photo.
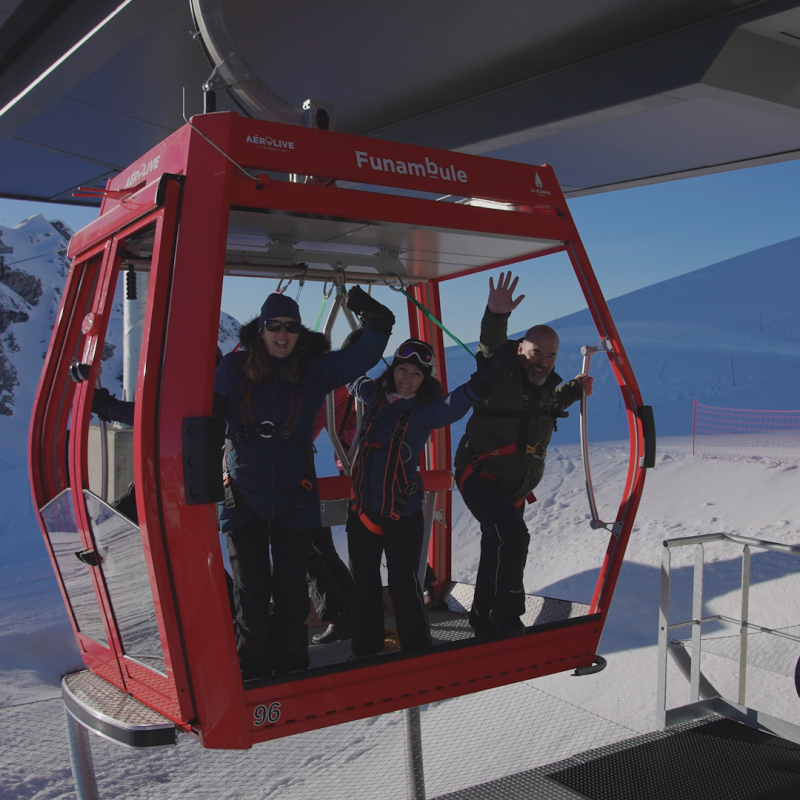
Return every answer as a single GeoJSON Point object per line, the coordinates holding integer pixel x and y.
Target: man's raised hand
{"type": "Point", "coordinates": [501, 300]}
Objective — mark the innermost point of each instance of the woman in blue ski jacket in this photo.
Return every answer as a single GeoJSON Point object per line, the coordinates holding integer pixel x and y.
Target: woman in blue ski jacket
{"type": "Point", "coordinates": [269, 395]}
{"type": "Point", "coordinates": [403, 406]}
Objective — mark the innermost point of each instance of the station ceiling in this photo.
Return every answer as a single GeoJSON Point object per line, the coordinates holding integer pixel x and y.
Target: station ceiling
{"type": "Point", "coordinates": [611, 93]}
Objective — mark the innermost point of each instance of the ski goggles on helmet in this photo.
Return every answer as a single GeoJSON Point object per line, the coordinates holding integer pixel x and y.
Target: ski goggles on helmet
{"type": "Point", "coordinates": [414, 350]}
{"type": "Point", "coordinates": [274, 325]}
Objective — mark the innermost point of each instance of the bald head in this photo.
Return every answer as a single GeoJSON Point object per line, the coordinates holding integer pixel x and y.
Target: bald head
{"type": "Point", "coordinates": [538, 352]}
{"type": "Point", "coordinates": [542, 333]}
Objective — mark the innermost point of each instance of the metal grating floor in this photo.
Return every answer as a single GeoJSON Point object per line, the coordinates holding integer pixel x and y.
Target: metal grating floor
{"type": "Point", "coordinates": [108, 702]}
{"type": "Point", "coordinates": [452, 625]}
{"type": "Point", "coordinates": [707, 760]}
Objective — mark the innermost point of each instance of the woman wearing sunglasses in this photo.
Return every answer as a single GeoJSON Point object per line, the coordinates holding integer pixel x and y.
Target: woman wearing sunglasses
{"type": "Point", "coordinates": [269, 393]}
{"type": "Point", "coordinates": [403, 406]}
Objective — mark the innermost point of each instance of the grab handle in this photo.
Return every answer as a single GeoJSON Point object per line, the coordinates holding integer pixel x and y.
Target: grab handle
{"type": "Point", "coordinates": [587, 352]}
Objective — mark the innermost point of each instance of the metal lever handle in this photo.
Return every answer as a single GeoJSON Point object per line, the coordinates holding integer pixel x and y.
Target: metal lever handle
{"type": "Point", "coordinates": [587, 352]}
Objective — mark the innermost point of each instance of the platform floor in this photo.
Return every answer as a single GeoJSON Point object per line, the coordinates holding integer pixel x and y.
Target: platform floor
{"type": "Point", "coordinates": [715, 759]}
{"type": "Point", "coordinates": [452, 624]}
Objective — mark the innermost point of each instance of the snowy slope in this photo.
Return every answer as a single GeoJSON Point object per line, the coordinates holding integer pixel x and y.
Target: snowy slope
{"type": "Point", "coordinates": [680, 335]}
{"type": "Point", "coordinates": [478, 737]}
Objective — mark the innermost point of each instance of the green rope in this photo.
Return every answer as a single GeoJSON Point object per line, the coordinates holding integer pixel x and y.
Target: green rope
{"type": "Point", "coordinates": [321, 312]}
{"type": "Point", "coordinates": [436, 321]}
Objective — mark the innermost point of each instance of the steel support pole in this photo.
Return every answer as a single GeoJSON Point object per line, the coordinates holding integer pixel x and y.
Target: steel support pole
{"type": "Point", "coordinates": [415, 775]}
{"type": "Point", "coordinates": [133, 314]}
{"type": "Point", "coordinates": [663, 638]}
{"type": "Point", "coordinates": [697, 626]}
{"type": "Point", "coordinates": [80, 754]}
{"type": "Point", "coordinates": [745, 618]}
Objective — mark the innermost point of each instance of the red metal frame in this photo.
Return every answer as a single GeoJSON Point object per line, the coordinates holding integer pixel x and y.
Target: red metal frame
{"type": "Point", "coordinates": [439, 449]}
{"type": "Point", "coordinates": [188, 187]}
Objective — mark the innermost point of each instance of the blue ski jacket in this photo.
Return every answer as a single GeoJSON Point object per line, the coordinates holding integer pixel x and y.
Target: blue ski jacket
{"type": "Point", "coordinates": [373, 472]}
{"type": "Point", "coordinates": [266, 468]}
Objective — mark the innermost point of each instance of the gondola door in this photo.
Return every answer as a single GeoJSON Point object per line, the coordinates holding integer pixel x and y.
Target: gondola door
{"type": "Point", "coordinates": [113, 578]}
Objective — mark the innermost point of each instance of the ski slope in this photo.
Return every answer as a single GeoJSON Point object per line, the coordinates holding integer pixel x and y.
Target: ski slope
{"type": "Point", "coordinates": [682, 336]}
{"type": "Point", "coordinates": [500, 732]}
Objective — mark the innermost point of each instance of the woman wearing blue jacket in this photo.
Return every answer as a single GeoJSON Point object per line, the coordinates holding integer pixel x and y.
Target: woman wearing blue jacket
{"type": "Point", "coordinates": [403, 406]}
{"type": "Point", "coordinates": [269, 395]}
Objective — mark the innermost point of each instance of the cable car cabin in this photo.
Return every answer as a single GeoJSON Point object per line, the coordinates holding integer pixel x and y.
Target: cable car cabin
{"type": "Point", "coordinates": [222, 196]}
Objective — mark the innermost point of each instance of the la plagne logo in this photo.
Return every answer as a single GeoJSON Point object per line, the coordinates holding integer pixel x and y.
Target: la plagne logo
{"type": "Point", "coordinates": [270, 143]}
{"type": "Point", "coordinates": [539, 187]}
{"type": "Point", "coordinates": [422, 169]}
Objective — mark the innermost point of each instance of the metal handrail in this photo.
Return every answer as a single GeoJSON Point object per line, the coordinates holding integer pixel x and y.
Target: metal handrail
{"type": "Point", "coordinates": [736, 539]}
{"type": "Point", "coordinates": [697, 621]}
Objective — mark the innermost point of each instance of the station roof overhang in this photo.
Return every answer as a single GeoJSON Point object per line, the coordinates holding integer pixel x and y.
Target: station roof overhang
{"type": "Point", "coordinates": [610, 93]}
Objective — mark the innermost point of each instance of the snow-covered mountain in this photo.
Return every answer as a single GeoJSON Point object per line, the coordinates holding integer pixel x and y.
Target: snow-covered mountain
{"type": "Point", "coordinates": [34, 267]}
{"type": "Point", "coordinates": [32, 276]}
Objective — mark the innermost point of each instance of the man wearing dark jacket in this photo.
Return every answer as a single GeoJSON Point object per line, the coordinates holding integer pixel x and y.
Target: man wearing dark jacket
{"type": "Point", "coordinates": [500, 459]}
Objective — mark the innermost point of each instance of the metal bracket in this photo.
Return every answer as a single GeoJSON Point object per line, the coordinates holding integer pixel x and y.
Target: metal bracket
{"type": "Point", "coordinates": [615, 528]}
{"type": "Point", "coordinates": [604, 346]}
{"type": "Point", "coordinates": [228, 73]}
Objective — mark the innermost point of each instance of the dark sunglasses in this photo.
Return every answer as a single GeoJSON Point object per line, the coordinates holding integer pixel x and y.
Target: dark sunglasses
{"type": "Point", "coordinates": [274, 325]}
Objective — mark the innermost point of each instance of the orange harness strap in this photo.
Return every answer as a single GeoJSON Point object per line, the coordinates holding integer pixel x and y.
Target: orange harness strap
{"type": "Point", "coordinates": [506, 450]}
{"type": "Point", "coordinates": [371, 526]}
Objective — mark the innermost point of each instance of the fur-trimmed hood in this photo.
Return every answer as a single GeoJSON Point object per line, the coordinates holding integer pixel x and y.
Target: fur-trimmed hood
{"type": "Point", "coordinates": [310, 345]}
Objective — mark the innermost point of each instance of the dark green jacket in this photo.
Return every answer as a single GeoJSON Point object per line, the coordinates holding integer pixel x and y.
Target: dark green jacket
{"type": "Point", "coordinates": [520, 473]}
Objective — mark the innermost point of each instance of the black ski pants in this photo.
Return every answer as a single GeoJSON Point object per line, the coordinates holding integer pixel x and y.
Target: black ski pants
{"type": "Point", "coordinates": [499, 589]}
{"type": "Point", "coordinates": [402, 542]}
{"type": "Point", "coordinates": [329, 581]}
{"type": "Point", "coordinates": [277, 642]}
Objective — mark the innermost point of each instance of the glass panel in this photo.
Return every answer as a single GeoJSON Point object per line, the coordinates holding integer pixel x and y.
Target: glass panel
{"type": "Point", "coordinates": [120, 545]}
{"type": "Point", "coordinates": [62, 530]}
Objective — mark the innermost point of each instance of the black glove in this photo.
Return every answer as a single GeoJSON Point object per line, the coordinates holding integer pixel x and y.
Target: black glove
{"type": "Point", "coordinates": [372, 313]}
{"type": "Point", "coordinates": [493, 371]}
{"type": "Point", "coordinates": [101, 403]}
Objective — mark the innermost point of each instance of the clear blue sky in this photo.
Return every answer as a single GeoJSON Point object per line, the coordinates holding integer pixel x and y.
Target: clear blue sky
{"type": "Point", "coordinates": [634, 237]}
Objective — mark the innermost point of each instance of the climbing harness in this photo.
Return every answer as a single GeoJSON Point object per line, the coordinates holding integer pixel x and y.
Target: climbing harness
{"type": "Point", "coordinates": [268, 429]}
{"type": "Point", "coordinates": [520, 446]}
{"type": "Point", "coordinates": [397, 490]}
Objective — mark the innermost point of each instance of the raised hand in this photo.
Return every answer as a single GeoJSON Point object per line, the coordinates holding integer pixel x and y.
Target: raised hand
{"type": "Point", "coordinates": [372, 313]}
{"type": "Point", "coordinates": [501, 300]}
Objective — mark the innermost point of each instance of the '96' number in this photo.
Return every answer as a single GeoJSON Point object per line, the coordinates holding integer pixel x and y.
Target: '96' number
{"type": "Point", "coordinates": [263, 714]}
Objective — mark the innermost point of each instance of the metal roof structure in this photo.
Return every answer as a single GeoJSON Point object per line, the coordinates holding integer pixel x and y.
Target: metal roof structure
{"type": "Point", "coordinates": [611, 93]}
